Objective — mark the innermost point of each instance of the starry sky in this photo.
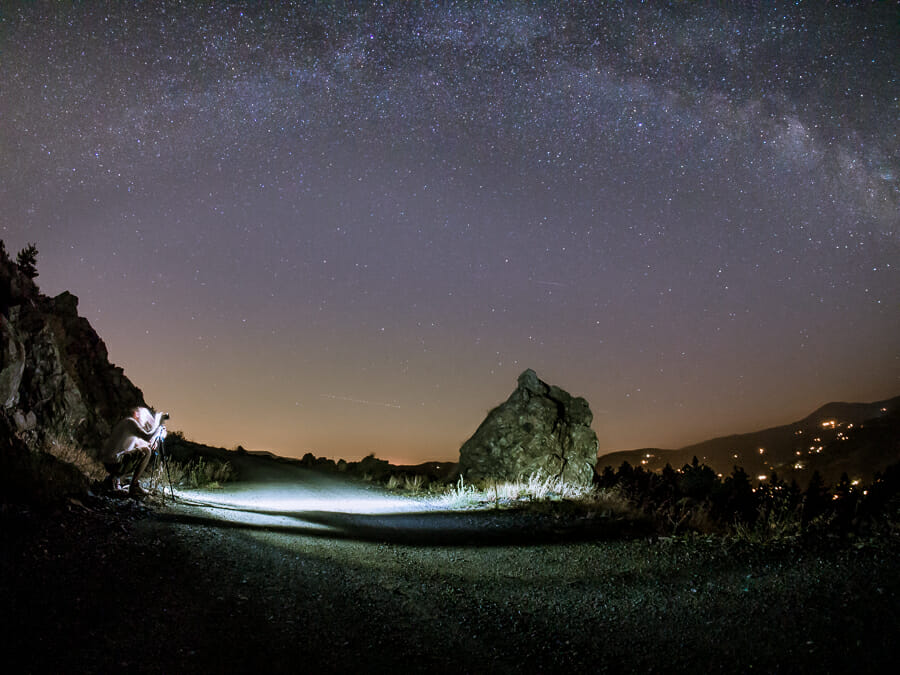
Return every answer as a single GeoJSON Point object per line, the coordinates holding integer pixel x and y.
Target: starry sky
{"type": "Point", "coordinates": [346, 228]}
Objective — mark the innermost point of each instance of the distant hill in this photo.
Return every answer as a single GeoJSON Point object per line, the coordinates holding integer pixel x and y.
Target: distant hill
{"type": "Point", "coordinates": [857, 438]}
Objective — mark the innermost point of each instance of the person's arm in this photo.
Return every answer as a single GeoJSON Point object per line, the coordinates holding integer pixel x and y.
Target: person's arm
{"type": "Point", "coordinates": [122, 438]}
{"type": "Point", "coordinates": [150, 422]}
{"type": "Point", "coordinates": [157, 421]}
{"type": "Point", "coordinates": [139, 430]}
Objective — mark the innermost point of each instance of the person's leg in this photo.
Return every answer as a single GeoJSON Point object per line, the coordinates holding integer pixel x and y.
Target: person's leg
{"type": "Point", "coordinates": [142, 453]}
{"type": "Point", "coordinates": [115, 476]}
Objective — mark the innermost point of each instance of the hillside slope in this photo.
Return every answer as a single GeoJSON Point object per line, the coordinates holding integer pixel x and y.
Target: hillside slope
{"type": "Point", "coordinates": [857, 438]}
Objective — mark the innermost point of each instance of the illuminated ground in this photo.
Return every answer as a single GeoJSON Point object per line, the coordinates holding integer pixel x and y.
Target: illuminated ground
{"type": "Point", "coordinates": [301, 500]}
{"type": "Point", "coordinates": [292, 500]}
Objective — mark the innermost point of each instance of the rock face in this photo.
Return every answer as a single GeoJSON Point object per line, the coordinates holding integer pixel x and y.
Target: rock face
{"type": "Point", "coordinates": [539, 429]}
{"type": "Point", "coordinates": [56, 382]}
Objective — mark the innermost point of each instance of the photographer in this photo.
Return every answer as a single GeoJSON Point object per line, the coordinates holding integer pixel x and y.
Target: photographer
{"type": "Point", "coordinates": [130, 446]}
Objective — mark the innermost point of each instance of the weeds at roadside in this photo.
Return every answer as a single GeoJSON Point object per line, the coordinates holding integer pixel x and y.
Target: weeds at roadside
{"type": "Point", "coordinates": [413, 483]}
{"type": "Point", "coordinates": [460, 496]}
{"type": "Point", "coordinates": [67, 451]}
{"type": "Point", "coordinates": [198, 474]}
{"type": "Point", "coordinates": [194, 474]}
{"type": "Point", "coordinates": [534, 493]}
{"type": "Point", "coordinates": [776, 525]}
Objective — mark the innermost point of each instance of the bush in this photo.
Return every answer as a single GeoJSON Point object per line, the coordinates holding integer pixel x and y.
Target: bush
{"type": "Point", "coordinates": [195, 474]}
{"type": "Point", "coordinates": [774, 524]}
{"type": "Point", "coordinates": [71, 453]}
{"type": "Point", "coordinates": [535, 489]}
{"type": "Point", "coordinates": [696, 500]}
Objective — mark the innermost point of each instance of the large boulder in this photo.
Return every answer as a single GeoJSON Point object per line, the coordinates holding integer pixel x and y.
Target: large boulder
{"type": "Point", "coordinates": [540, 429]}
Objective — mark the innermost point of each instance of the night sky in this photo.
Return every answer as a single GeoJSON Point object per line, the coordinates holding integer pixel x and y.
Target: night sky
{"type": "Point", "coordinates": [346, 228]}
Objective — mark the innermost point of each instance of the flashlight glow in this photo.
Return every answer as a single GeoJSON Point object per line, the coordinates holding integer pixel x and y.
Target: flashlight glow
{"type": "Point", "coordinates": [315, 502]}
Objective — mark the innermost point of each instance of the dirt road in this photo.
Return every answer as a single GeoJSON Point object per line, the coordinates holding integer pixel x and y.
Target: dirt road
{"type": "Point", "coordinates": [296, 501]}
{"type": "Point", "coordinates": [390, 586]}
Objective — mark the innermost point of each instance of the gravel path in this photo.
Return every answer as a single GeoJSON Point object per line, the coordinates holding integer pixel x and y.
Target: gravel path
{"type": "Point", "coordinates": [111, 586]}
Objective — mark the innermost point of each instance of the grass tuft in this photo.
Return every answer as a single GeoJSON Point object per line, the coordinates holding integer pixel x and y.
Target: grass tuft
{"type": "Point", "coordinates": [535, 489]}
{"type": "Point", "coordinates": [459, 496]}
{"type": "Point", "coordinates": [68, 451]}
{"type": "Point", "coordinates": [195, 474]}
{"type": "Point", "coordinates": [777, 525]}
{"type": "Point", "coordinates": [413, 484]}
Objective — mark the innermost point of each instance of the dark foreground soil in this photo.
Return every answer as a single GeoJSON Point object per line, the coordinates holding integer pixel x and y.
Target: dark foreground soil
{"type": "Point", "coordinates": [113, 586]}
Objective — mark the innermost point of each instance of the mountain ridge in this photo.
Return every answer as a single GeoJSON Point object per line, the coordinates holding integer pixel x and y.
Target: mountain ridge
{"type": "Point", "coordinates": [822, 441]}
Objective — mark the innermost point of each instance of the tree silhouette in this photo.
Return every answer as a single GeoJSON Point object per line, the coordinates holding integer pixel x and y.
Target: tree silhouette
{"type": "Point", "coordinates": [845, 504]}
{"type": "Point", "coordinates": [26, 261]}
{"type": "Point", "coordinates": [736, 499]}
{"type": "Point", "coordinates": [697, 480]}
{"type": "Point", "coordinates": [815, 500]}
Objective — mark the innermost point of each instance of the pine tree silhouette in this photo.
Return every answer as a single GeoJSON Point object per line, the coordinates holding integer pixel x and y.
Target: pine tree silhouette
{"type": "Point", "coordinates": [815, 500]}
{"type": "Point", "coordinates": [26, 261]}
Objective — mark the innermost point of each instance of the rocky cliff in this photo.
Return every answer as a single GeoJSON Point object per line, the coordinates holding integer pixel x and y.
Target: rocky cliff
{"type": "Point", "coordinates": [57, 386]}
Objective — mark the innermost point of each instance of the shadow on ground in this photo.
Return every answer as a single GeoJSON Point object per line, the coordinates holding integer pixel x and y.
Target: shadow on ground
{"type": "Point", "coordinates": [432, 528]}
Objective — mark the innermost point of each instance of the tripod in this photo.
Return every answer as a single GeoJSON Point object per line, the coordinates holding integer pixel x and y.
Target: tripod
{"type": "Point", "coordinates": [160, 445]}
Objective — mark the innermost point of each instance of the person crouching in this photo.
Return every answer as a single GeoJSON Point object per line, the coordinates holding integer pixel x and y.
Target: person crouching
{"type": "Point", "coordinates": [129, 447]}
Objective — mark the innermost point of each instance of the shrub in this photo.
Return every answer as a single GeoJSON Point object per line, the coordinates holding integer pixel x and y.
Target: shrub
{"type": "Point", "coordinates": [459, 496]}
{"type": "Point", "coordinates": [405, 482]}
{"type": "Point", "coordinates": [608, 502]}
{"type": "Point", "coordinates": [71, 453]}
{"type": "Point", "coordinates": [536, 488]}
{"type": "Point", "coordinates": [195, 474]}
{"type": "Point", "coordinates": [775, 524]}
{"type": "Point", "coordinates": [413, 483]}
